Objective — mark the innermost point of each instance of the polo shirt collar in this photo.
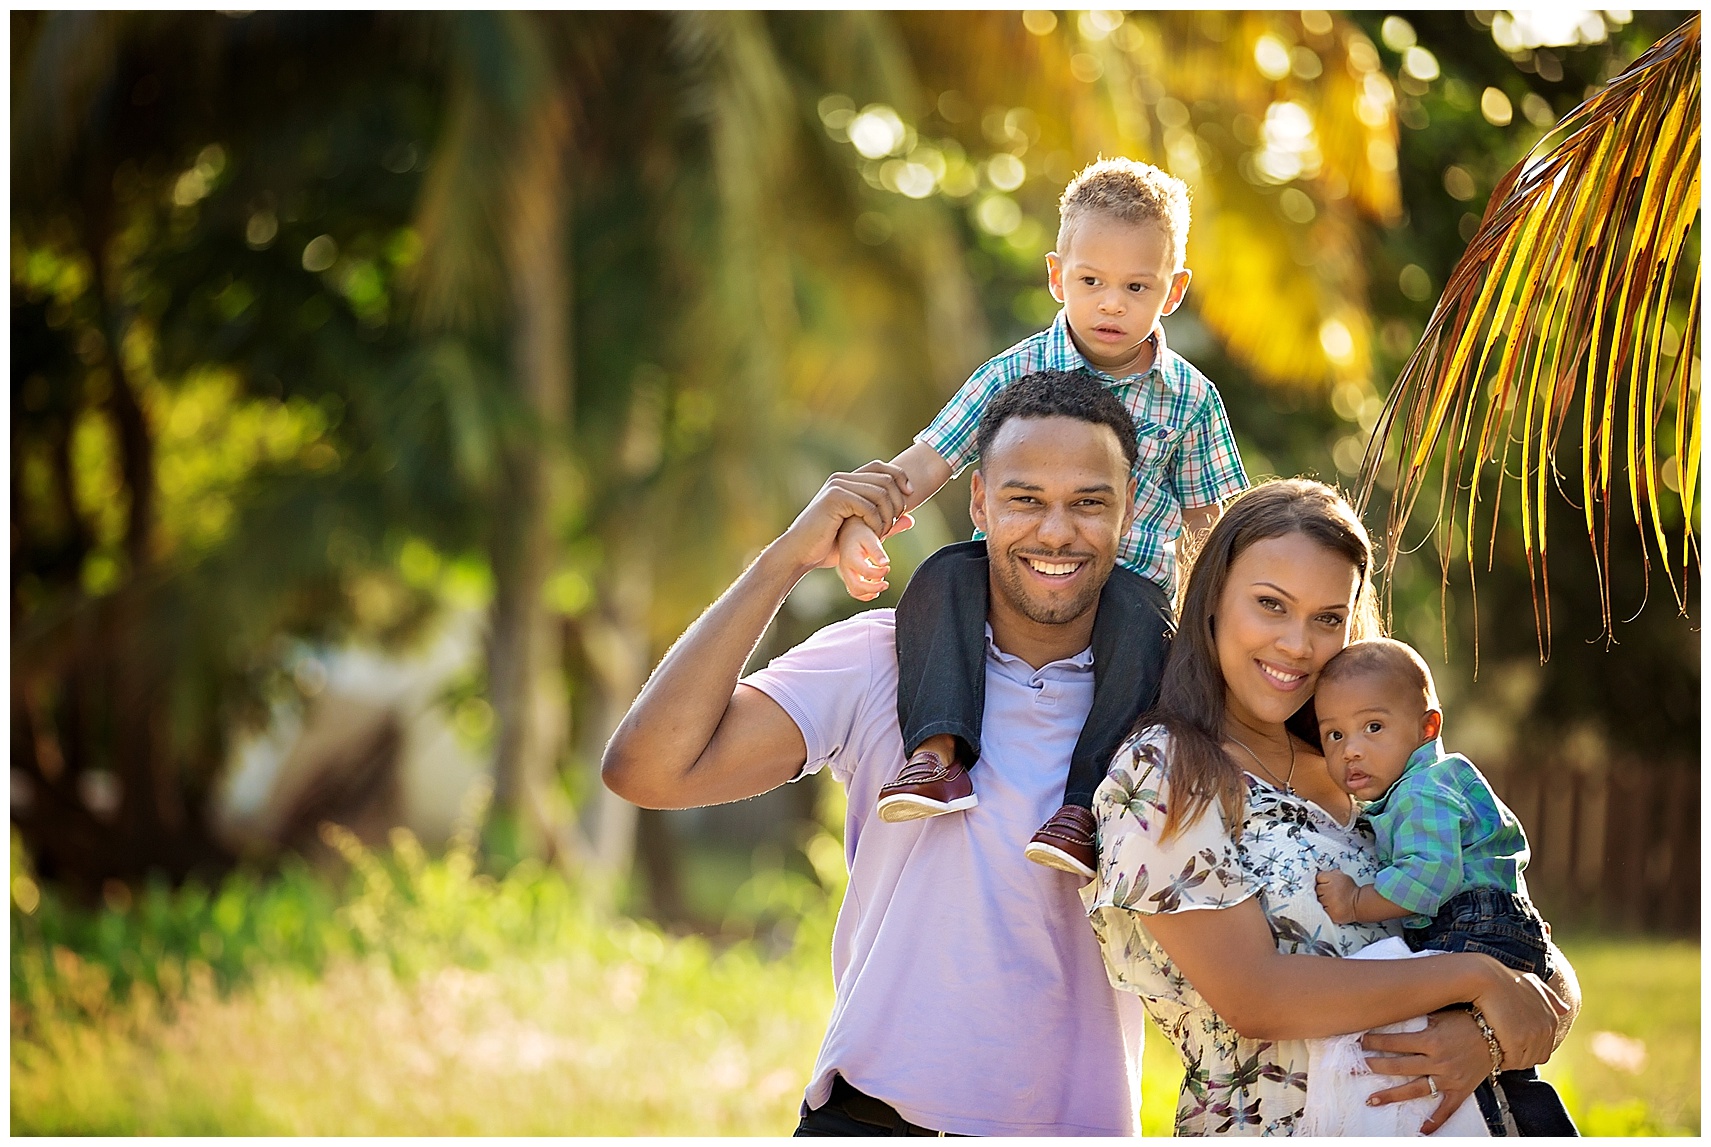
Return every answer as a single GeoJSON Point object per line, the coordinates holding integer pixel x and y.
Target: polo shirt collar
{"type": "Point", "coordinates": [1063, 355]}
{"type": "Point", "coordinates": [1423, 757]}
{"type": "Point", "coordinates": [1082, 660]}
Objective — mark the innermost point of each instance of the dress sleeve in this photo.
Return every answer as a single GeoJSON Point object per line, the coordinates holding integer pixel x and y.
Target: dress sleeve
{"type": "Point", "coordinates": [1139, 870]}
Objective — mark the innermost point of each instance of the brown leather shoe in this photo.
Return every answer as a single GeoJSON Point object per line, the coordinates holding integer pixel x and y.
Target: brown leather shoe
{"type": "Point", "coordinates": [1065, 842]}
{"type": "Point", "coordinates": [928, 786]}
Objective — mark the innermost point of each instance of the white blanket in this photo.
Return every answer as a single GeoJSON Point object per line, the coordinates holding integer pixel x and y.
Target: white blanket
{"type": "Point", "coordinates": [1339, 1081]}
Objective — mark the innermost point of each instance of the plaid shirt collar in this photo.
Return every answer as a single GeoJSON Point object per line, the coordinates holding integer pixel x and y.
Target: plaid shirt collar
{"type": "Point", "coordinates": [1424, 757]}
{"type": "Point", "coordinates": [1065, 356]}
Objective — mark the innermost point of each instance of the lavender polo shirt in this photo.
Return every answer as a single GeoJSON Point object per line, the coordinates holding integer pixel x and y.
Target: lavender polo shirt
{"type": "Point", "coordinates": [970, 991]}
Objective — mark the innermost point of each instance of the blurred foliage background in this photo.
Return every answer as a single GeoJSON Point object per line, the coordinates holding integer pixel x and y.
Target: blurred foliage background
{"type": "Point", "coordinates": [389, 390]}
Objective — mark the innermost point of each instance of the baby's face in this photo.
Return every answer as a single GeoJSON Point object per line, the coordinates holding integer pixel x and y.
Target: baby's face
{"type": "Point", "coordinates": [1369, 728]}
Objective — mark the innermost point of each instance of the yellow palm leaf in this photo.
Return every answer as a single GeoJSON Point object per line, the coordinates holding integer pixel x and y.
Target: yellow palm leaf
{"type": "Point", "coordinates": [1563, 297]}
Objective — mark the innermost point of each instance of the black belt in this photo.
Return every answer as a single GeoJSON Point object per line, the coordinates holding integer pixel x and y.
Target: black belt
{"type": "Point", "coordinates": [865, 1108]}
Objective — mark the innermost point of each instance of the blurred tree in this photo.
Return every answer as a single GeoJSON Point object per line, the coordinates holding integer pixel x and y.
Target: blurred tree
{"type": "Point", "coordinates": [320, 319]}
{"type": "Point", "coordinates": [135, 641]}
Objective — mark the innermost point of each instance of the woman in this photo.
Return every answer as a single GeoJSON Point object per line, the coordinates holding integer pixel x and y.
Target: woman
{"type": "Point", "coordinates": [1217, 814]}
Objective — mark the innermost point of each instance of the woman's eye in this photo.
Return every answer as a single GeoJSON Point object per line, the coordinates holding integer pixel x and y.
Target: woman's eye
{"type": "Point", "coordinates": [1271, 603]}
{"type": "Point", "coordinates": [1333, 620]}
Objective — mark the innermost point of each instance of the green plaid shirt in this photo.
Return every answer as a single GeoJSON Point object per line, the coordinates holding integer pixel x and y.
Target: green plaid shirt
{"type": "Point", "coordinates": [1441, 830]}
{"type": "Point", "coordinates": [1187, 454]}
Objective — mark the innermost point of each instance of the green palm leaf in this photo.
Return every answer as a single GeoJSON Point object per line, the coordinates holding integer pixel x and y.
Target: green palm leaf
{"type": "Point", "coordinates": [1562, 297]}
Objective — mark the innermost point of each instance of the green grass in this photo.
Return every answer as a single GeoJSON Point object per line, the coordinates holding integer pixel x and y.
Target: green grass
{"type": "Point", "coordinates": [425, 998]}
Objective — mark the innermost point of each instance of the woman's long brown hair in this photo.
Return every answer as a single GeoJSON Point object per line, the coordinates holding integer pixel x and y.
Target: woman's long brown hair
{"type": "Point", "coordinates": [1191, 697]}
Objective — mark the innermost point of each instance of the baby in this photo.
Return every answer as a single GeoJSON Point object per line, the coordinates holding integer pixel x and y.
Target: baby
{"type": "Point", "coordinates": [1451, 852]}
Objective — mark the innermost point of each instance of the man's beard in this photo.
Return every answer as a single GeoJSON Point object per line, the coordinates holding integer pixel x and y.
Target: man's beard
{"type": "Point", "coordinates": [1009, 582]}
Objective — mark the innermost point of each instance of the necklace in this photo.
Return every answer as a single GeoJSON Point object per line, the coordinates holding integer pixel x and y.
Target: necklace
{"type": "Point", "coordinates": [1287, 787]}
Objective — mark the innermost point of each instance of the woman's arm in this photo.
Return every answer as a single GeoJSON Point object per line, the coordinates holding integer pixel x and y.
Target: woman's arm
{"type": "Point", "coordinates": [1566, 985]}
{"type": "Point", "coordinates": [1231, 958]}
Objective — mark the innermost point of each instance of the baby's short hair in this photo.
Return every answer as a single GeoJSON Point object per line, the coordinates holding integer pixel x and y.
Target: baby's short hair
{"type": "Point", "coordinates": [1395, 661]}
{"type": "Point", "coordinates": [1128, 190]}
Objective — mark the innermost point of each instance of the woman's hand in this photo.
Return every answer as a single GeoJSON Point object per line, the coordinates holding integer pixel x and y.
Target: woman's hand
{"type": "Point", "coordinates": [1450, 1050]}
{"type": "Point", "coordinates": [1523, 1014]}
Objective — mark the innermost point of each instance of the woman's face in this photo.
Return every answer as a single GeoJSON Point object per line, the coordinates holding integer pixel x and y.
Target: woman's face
{"type": "Point", "coordinates": [1283, 614]}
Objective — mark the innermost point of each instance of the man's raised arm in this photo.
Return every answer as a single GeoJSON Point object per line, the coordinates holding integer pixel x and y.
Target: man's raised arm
{"type": "Point", "coordinates": [695, 736]}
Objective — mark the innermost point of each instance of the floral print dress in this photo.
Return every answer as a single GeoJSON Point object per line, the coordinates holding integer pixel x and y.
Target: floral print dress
{"type": "Point", "coordinates": [1232, 1086]}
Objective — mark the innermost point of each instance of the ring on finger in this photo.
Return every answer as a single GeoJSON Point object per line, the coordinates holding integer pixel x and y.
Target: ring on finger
{"type": "Point", "coordinates": [1432, 1086]}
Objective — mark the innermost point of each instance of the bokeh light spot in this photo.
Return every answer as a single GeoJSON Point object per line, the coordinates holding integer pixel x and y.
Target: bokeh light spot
{"type": "Point", "coordinates": [1495, 107]}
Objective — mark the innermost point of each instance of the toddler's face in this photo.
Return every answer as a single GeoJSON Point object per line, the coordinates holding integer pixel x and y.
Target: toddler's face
{"type": "Point", "coordinates": [1115, 279]}
{"type": "Point", "coordinates": [1369, 728]}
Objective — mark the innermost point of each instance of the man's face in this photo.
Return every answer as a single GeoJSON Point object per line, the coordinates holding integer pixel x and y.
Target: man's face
{"type": "Point", "coordinates": [1115, 279]}
{"type": "Point", "coordinates": [1370, 726]}
{"type": "Point", "coordinates": [1055, 498]}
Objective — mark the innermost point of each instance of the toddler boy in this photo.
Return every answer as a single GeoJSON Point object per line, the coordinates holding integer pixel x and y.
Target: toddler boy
{"type": "Point", "coordinates": [1117, 270]}
{"type": "Point", "coordinates": [1451, 852]}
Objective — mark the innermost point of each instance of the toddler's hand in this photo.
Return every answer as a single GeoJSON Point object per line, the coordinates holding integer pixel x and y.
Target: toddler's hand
{"type": "Point", "coordinates": [1336, 891]}
{"type": "Point", "coordinates": [862, 561]}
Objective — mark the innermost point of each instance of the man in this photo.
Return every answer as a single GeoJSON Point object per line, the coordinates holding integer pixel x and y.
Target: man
{"type": "Point", "coordinates": [971, 997]}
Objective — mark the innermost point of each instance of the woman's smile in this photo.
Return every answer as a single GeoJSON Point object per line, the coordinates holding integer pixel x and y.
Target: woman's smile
{"type": "Point", "coordinates": [1284, 613]}
{"type": "Point", "coordinates": [1285, 679]}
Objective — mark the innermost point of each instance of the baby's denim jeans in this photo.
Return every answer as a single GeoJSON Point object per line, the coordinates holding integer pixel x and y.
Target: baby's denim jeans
{"type": "Point", "coordinates": [1506, 927]}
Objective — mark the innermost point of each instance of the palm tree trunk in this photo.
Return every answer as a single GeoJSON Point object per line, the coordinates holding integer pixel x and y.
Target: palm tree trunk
{"type": "Point", "coordinates": [524, 663]}
{"type": "Point", "coordinates": [616, 639]}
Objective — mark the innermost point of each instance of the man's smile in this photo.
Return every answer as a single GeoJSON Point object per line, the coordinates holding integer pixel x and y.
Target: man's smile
{"type": "Point", "coordinates": [1053, 569]}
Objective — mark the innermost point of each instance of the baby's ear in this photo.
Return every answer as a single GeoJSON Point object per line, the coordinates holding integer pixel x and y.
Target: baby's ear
{"type": "Point", "coordinates": [1431, 725]}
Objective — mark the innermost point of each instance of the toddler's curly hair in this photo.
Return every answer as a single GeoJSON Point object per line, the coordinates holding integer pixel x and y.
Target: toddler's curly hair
{"type": "Point", "coordinates": [1128, 190]}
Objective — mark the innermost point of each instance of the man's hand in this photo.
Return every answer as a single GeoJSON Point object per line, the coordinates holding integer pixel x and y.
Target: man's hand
{"type": "Point", "coordinates": [862, 561]}
{"type": "Point", "coordinates": [873, 495]}
{"type": "Point", "coordinates": [1336, 891]}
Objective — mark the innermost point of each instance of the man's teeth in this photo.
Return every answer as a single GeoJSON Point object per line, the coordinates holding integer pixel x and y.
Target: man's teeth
{"type": "Point", "coordinates": [1286, 678]}
{"type": "Point", "coordinates": [1056, 568]}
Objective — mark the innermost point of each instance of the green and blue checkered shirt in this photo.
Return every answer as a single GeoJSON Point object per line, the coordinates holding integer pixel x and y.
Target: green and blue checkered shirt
{"type": "Point", "coordinates": [1441, 830]}
{"type": "Point", "coordinates": [1187, 456]}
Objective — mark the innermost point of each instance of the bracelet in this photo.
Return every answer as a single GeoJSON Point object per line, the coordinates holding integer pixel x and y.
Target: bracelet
{"type": "Point", "coordinates": [1490, 1039]}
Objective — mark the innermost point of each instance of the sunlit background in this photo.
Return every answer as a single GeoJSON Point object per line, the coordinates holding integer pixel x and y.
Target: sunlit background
{"type": "Point", "coordinates": [389, 391]}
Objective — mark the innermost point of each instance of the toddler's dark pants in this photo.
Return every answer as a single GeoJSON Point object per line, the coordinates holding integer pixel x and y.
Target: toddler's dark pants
{"type": "Point", "coordinates": [941, 660]}
{"type": "Point", "coordinates": [1505, 927]}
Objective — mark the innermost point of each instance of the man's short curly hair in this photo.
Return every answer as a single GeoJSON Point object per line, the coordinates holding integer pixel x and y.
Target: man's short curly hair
{"type": "Point", "coordinates": [1058, 394]}
{"type": "Point", "coordinates": [1130, 191]}
{"type": "Point", "coordinates": [1386, 659]}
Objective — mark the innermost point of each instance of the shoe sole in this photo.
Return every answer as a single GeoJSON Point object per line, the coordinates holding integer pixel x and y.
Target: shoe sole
{"type": "Point", "coordinates": [908, 806]}
{"type": "Point", "coordinates": [1054, 858]}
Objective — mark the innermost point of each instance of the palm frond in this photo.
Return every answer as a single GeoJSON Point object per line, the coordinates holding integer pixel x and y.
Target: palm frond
{"type": "Point", "coordinates": [1563, 297]}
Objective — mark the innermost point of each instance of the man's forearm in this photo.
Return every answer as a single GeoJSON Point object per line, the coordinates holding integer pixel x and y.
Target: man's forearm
{"type": "Point", "coordinates": [693, 735]}
{"type": "Point", "coordinates": [679, 710]}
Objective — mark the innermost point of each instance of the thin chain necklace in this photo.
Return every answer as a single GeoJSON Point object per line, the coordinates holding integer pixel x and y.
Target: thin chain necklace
{"type": "Point", "coordinates": [1287, 787]}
